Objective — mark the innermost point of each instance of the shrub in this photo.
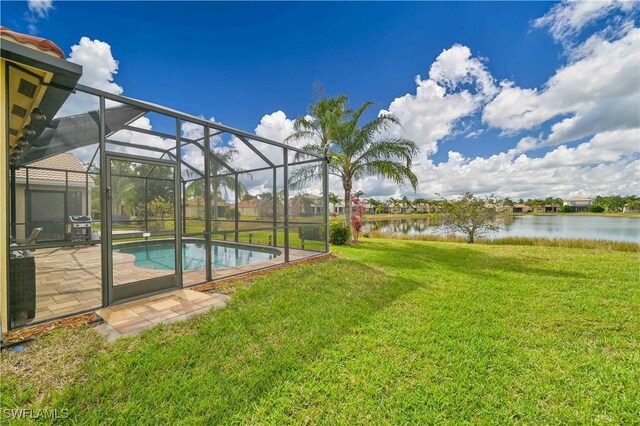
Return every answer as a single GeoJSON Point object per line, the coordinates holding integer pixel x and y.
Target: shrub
{"type": "Point", "coordinates": [339, 233]}
{"type": "Point", "coordinates": [313, 233]}
{"type": "Point", "coordinates": [597, 209]}
{"type": "Point", "coordinates": [567, 209]}
{"type": "Point", "coordinates": [230, 214]}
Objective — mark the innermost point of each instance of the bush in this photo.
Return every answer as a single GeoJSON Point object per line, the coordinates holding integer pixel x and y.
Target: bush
{"type": "Point", "coordinates": [230, 214]}
{"type": "Point", "coordinates": [313, 233]}
{"type": "Point", "coordinates": [339, 233]}
{"type": "Point", "coordinates": [567, 209]}
{"type": "Point", "coordinates": [597, 209]}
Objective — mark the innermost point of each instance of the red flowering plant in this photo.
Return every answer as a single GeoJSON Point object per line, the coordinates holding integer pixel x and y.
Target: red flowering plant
{"type": "Point", "coordinates": [357, 216]}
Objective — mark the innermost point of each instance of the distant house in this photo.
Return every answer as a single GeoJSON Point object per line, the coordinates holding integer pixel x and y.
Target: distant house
{"type": "Point", "coordinates": [631, 208]}
{"type": "Point", "coordinates": [522, 208]}
{"type": "Point", "coordinates": [422, 208]}
{"type": "Point", "coordinates": [579, 204]}
{"type": "Point", "coordinates": [338, 209]}
{"type": "Point", "coordinates": [48, 191]}
{"type": "Point", "coordinates": [551, 208]}
{"type": "Point", "coordinates": [194, 208]}
{"type": "Point", "coordinates": [249, 208]}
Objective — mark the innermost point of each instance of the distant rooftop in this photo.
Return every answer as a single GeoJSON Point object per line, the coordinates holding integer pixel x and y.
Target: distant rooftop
{"type": "Point", "coordinates": [59, 162]}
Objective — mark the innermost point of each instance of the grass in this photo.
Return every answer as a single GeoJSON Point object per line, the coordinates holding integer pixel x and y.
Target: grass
{"type": "Point", "coordinates": [392, 332]}
{"type": "Point", "coordinates": [519, 241]}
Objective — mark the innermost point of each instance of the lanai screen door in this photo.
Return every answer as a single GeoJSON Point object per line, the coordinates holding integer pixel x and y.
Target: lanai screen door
{"type": "Point", "coordinates": [142, 213]}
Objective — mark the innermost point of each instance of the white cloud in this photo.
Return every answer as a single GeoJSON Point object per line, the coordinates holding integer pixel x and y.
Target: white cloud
{"type": "Point", "coordinates": [458, 85]}
{"type": "Point", "coordinates": [593, 99]}
{"type": "Point", "coordinates": [607, 163]}
{"type": "Point", "coordinates": [99, 65]}
{"type": "Point", "coordinates": [40, 8]}
{"type": "Point", "coordinates": [597, 92]}
{"type": "Point", "coordinates": [567, 19]}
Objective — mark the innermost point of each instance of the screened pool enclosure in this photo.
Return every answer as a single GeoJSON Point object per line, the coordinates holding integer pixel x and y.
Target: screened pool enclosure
{"type": "Point", "coordinates": [114, 199]}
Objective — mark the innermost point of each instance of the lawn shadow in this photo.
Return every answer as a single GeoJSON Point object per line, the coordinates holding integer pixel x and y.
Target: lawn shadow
{"type": "Point", "coordinates": [219, 362]}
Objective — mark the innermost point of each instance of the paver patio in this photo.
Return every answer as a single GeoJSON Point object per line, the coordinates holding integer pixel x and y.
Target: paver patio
{"type": "Point", "coordinates": [69, 279]}
{"type": "Point", "coordinates": [140, 314]}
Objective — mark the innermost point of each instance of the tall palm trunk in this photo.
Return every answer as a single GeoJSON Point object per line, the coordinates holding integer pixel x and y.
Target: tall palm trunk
{"type": "Point", "coordinates": [347, 206]}
{"type": "Point", "coordinates": [347, 184]}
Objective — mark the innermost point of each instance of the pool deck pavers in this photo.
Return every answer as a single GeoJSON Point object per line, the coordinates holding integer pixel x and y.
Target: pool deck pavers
{"type": "Point", "coordinates": [133, 317]}
{"type": "Point", "coordinates": [69, 280]}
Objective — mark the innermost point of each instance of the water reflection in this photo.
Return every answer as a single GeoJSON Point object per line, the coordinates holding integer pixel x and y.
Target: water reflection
{"type": "Point", "coordinates": [589, 227]}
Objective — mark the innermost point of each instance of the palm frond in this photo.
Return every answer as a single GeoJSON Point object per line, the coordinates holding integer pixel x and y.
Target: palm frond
{"type": "Point", "coordinates": [395, 171]}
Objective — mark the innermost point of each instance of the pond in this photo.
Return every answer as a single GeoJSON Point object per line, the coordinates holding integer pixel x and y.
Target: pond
{"type": "Point", "coordinates": [562, 226]}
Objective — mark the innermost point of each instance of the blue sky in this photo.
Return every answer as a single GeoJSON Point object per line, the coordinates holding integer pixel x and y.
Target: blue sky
{"type": "Point", "coordinates": [240, 62]}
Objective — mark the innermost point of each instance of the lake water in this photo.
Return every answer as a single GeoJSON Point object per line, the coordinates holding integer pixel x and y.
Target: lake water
{"type": "Point", "coordinates": [565, 226]}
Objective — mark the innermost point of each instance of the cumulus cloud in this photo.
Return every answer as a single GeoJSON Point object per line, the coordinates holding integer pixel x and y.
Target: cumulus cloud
{"type": "Point", "coordinates": [99, 65]}
{"type": "Point", "coordinates": [597, 92]}
{"type": "Point", "coordinates": [458, 85]}
{"type": "Point", "coordinates": [591, 101]}
{"type": "Point", "coordinates": [607, 163]}
{"type": "Point", "coordinates": [567, 19]}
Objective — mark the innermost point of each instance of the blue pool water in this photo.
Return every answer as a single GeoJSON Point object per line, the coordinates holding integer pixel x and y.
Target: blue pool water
{"type": "Point", "coordinates": [161, 255]}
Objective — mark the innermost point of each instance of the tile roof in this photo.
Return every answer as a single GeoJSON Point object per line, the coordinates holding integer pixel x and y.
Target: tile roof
{"type": "Point", "coordinates": [64, 161]}
{"type": "Point", "coordinates": [42, 44]}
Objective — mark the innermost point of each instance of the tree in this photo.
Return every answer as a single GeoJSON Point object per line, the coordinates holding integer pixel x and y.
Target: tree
{"type": "Point", "coordinates": [406, 203]}
{"type": "Point", "coordinates": [160, 207]}
{"type": "Point", "coordinates": [333, 200]}
{"type": "Point", "coordinates": [376, 204]}
{"type": "Point", "coordinates": [195, 190]}
{"type": "Point", "coordinates": [265, 204]}
{"type": "Point", "coordinates": [353, 150]}
{"type": "Point", "coordinates": [470, 216]}
{"type": "Point", "coordinates": [220, 185]}
{"type": "Point", "coordinates": [395, 203]}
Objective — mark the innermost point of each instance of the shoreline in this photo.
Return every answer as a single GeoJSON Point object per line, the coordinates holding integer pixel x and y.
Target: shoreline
{"type": "Point", "coordinates": [584, 243]}
{"type": "Point", "coordinates": [384, 216]}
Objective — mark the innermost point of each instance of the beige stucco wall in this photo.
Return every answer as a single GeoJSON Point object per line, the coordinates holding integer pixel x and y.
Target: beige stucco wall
{"type": "Point", "coordinates": [4, 277]}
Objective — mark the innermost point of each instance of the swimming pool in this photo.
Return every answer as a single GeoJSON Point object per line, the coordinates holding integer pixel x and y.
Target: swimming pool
{"type": "Point", "coordinates": [161, 255]}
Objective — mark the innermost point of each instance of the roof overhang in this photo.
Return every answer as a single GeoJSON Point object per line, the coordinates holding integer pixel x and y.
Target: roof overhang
{"type": "Point", "coordinates": [65, 76]}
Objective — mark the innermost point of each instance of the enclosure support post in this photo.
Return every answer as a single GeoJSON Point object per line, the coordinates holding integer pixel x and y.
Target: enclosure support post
{"type": "Point", "coordinates": [274, 211]}
{"type": "Point", "coordinates": [236, 213]}
{"type": "Point", "coordinates": [286, 204]}
{"type": "Point", "coordinates": [13, 218]}
{"type": "Point", "coordinates": [177, 209]}
{"type": "Point", "coordinates": [146, 205]}
{"type": "Point", "coordinates": [184, 207]}
{"type": "Point", "coordinates": [207, 204]}
{"type": "Point", "coordinates": [105, 218]}
{"type": "Point", "coordinates": [325, 202]}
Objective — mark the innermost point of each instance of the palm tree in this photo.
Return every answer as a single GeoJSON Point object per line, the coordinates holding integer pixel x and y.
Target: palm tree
{"type": "Point", "coordinates": [221, 185]}
{"type": "Point", "coordinates": [333, 199]}
{"type": "Point", "coordinates": [376, 204]}
{"type": "Point", "coordinates": [406, 203]}
{"type": "Point", "coordinates": [353, 150]}
{"type": "Point", "coordinates": [195, 190]}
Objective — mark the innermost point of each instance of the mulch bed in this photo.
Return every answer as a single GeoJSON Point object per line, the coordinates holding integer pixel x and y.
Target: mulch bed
{"type": "Point", "coordinates": [250, 276]}
{"type": "Point", "coordinates": [28, 333]}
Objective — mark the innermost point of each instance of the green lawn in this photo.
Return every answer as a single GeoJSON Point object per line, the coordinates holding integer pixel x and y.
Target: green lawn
{"type": "Point", "coordinates": [392, 332]}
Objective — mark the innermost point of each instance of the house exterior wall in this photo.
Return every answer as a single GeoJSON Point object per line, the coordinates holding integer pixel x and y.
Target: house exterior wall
{"type": "Point", "coordinates": [4, 274]}
{"type": "Point", "coordinates": [21, 201]}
